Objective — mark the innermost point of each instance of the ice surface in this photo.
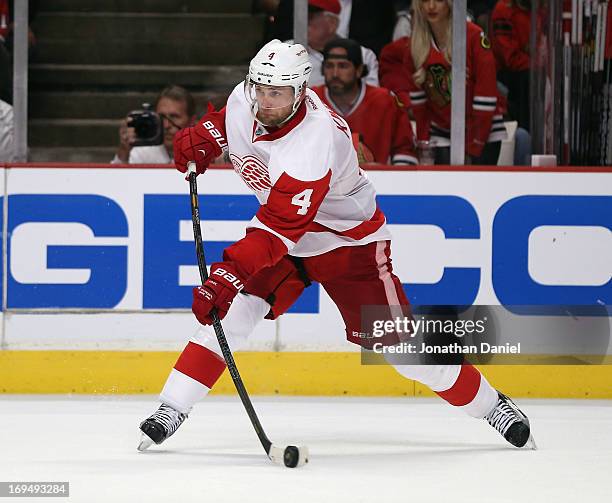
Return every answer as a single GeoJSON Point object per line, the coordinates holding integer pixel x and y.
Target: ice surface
{"type": "Point", "coordinates": [361, 450]}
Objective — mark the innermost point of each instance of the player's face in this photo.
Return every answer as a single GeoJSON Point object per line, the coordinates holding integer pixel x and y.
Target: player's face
{"type": "Point", "coordinates": [435, 11]}
{"type": "Point", "coordinates": [274, 103]}
{"type": "Point", "coordinates": [340, 74]}
{"type": "Point", "coordinates": [175, 118]}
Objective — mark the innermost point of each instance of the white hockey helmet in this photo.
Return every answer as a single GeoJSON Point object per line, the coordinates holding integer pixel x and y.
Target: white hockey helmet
{"type": "Point", "coordinates": [279, 64]}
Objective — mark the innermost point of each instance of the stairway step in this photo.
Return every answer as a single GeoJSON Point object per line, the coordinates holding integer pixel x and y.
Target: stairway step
{"type": "Point", "coordinates": [127, 38]}
{"type": "Point", "coordinates": [103, 105]}
{"type": "Point", "coordinates": [71, 154]}
{"type": "Point", "coordinates": [73, 132]}
{"type": "Point", "coordinates": [146, 5]}
{"type": "Point", "coordinates": [134, 77]}
{"type": "Point", "coordinates": [123, 52]}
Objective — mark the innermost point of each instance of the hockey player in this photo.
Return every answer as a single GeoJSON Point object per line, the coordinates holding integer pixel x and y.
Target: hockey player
{"type": "Point", "coordinates": [428, 58]}
{"type": "Point", "coordinates": [373, 113]}
{"type": "Point", "coordinates": [318, 221]}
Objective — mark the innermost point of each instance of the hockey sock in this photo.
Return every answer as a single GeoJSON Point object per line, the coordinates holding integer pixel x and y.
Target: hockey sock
{"type": "Point", "coordinates": [470, 391]}
{"type": "Point", "coordinates": [460, 385]}
{"type": "Point", "coordinates": [194, 374]}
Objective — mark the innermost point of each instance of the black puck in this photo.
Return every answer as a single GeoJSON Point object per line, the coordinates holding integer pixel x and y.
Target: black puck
{"type": "Point", "coordinates": [291, 456]}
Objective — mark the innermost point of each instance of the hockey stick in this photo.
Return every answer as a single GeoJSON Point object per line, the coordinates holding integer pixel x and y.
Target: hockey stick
{"type": "Point", "coordinates": [291, 456]}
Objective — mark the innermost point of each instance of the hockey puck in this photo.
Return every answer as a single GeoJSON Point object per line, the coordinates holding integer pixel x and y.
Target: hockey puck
{"type": "Point", "coordinates": [291, 456]}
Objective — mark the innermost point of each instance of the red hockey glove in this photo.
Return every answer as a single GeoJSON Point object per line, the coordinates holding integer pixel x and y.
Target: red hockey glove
{"type": "Point", "coordinates": [193, 144]}
{"type": "Point", "coordinates": [217, 291]}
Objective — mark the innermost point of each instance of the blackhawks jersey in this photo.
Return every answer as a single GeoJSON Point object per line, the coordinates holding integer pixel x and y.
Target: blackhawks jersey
{"type": "Point", "coordinates": [381, 122]}
{"type": "Point", "coordinates": [510, 29]}
{"type": "Point", "coordinates": [392, 70]}
{"type": "Point", "coordinates": [431, 103]}
{"type": "Point", "coordinates": [314, 197]}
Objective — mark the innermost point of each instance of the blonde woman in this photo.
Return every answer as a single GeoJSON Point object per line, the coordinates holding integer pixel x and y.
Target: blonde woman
{"type": "Point", "coordinates": [428, 58]}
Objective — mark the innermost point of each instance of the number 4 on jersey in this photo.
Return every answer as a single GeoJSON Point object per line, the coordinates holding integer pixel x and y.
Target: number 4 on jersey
{"type": "Point", "coordinates": [303, 201]}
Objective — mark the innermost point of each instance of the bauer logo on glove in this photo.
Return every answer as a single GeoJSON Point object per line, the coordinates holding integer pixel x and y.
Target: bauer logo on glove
{"type": "Point", "coordinates": [201, 143]}
{"type": "Point", "coordinates": [218, 291]}
{"type": "Point", "coordinates": [233, 280]}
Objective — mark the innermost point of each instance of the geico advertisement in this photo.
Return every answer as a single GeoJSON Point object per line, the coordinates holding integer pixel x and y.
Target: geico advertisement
{"type": "Point", "coordinates": [121, 239]}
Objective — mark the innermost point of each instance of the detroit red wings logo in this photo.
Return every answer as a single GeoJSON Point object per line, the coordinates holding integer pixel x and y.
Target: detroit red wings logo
{"type": "Point", "coordinates": [254, 172]}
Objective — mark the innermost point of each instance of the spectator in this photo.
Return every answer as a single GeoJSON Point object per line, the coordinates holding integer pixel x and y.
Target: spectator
{"type": "Point", "coordinates": [376, 118]}
{"type": "Point", "coordinates": [323, 22]}
{"type": "Point", "coordinates": [403, 25]}
{"type": "Point", "coordinates": [7, 145]}
{"type": "Point", "coordinates": [176, 107]}
{"type": "Point", "coordinates": [392, 71]}
{"type": "Point", "coordinates": [322, 28]}
{"type": "Point", "coordinates": [369, 22]}
{"type": "Point", "coordinates": [510, 36]}
{"type": "Point", "coordinates": [428, 58]}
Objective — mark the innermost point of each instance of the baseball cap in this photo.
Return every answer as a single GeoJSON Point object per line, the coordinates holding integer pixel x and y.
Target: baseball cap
{"type": "Point", "coordinates": [353, 52]}
{"type": "Point", "coordinates": [332, 6]}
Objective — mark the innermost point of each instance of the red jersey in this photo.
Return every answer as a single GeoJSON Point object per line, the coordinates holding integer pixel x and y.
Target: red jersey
{"type": "Point", "coordinates": [510, 29]}
{"type": "Point", "coordinates": [392, 71]}
{"type": "Point", "coordinates": [381, 121]}
{"type": "Point", "coordinates": [314, 197]}
{"type": "Point", "coordinates": [431, 104]}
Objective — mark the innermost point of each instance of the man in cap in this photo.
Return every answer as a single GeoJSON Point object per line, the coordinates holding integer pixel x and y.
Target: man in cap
{"type": "Point", "coordinates": [379, 123]}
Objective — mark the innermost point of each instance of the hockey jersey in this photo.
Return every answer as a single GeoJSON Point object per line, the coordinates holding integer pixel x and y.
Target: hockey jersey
{"type": "Point", "coordinates": [314, 197]}
{"type": "Point", "coordinates": [380, 121]}
{"type": "Point", "coordinates": [392, 71]}
{"type": "Point", "coordinates": [510, 29]}
{"type": "Point", "coordinates": [431, 103]}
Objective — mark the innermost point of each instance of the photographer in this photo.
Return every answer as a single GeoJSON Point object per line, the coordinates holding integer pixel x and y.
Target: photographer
{"type": "Point", "coordinates": [176, 107]}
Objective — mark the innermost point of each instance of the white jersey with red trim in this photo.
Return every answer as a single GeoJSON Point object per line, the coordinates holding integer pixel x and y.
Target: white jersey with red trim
{"type": "Point", "coordinates": [313, 148]}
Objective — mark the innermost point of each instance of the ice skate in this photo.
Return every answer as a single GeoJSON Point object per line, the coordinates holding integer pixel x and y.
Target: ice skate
{"type": "Point", "coordinates": [511, 422]}
{"type": "Point", "coordinates": [159, 426]}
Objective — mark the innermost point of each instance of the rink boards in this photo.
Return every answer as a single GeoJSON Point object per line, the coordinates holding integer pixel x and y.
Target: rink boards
{"type": "Point", "coordinates": [100, 264]}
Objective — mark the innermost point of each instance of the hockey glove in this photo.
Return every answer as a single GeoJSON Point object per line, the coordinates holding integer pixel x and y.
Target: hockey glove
{"type": "Point", "coordinates": [218, 291]}
{"type": "Point", "coordinates": [193, 144]}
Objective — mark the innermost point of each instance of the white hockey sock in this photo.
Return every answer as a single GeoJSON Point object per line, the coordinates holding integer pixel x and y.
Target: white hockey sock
{"type": "Point", "coordinates": [201, 363]}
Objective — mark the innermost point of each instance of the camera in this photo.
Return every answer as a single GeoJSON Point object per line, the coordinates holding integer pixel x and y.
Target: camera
{"type": "Point", "coordinates": [147, 125]}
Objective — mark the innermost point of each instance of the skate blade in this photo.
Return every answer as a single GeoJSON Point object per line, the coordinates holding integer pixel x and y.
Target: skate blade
{"type": "Point", "coordinates": [145, 443]}
{"type": "Point", "coordinates": [531, 444]}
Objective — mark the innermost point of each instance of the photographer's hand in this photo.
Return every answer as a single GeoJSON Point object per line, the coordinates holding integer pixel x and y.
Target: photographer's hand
{"type": "Point", "coordinates": [126, 138]}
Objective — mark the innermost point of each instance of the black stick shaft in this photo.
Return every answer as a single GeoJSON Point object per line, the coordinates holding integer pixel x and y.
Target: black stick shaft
{"type": "Point", "coordinates": [225, 349]}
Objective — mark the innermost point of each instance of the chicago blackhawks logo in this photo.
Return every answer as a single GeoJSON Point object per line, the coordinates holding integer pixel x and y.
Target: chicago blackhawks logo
{"type": "Point", "coordinates": [254, 172]}
{"type": "Point", "coordinates": [484, 41]}
{"type": "Point", "coordinates": [438, 85]}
